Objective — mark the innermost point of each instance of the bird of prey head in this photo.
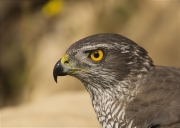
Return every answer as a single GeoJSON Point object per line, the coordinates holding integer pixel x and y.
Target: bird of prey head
{"type": "Point", "coordinates": [113, 69]}
{"type": "Point", "coordinates": [103, 59]}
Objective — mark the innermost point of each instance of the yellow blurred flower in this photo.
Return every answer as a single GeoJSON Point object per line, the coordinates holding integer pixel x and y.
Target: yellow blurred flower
{"type": "Point", "coordinates": [52, 7]}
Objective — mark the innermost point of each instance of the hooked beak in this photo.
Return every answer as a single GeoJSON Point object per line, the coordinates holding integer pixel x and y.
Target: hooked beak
{"type": "Point", "coordinates": [60, 70]}
{"type": "Point", "coordinates": [63, 68]}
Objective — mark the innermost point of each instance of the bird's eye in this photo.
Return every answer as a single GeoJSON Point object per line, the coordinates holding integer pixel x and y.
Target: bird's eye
{"type": "Point", "coordinates": [96, 55]}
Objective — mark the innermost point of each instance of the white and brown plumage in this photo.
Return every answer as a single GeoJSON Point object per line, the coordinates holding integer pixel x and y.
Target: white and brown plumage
{"type": "Point", "coordinates": [126, 89]}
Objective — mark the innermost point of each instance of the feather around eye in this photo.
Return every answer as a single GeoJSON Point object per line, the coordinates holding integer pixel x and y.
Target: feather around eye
{"type": "Point", "coordinates": [96, 55]}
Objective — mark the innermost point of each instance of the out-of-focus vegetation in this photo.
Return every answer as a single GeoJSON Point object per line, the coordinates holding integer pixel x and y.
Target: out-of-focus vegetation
{"type": "Point", "coordinates": [52, 7]}
{"type": "Point", "coordinates": [34, 34]}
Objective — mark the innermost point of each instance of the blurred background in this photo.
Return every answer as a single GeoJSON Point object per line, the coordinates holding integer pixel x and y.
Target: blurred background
{"type": "Point", "coordinates": [36, 33]}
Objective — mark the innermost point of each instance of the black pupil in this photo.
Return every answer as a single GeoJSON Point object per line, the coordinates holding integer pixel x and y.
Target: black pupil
{"type": "Point", "coordinates": [96, 54]}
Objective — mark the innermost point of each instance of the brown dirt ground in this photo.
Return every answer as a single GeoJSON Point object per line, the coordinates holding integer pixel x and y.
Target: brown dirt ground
{"type": "Point", "coordinates": [68, 109]}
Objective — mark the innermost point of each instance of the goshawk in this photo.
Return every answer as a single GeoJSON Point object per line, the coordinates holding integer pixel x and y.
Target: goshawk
{"type": "Point", "coordinates": [126, 88]}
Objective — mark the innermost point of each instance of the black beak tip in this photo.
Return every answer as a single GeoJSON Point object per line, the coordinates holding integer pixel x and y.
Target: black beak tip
{"type": "Point", "coordinates": [57, 69]}
{"type": "Point", "coordinates": [55, 78]}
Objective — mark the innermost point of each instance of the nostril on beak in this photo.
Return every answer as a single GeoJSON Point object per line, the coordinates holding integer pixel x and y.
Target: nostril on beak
{"type": "Point", "coordinates": [66, 62]}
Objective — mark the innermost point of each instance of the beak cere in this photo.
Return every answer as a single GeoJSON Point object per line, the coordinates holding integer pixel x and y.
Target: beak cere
{"type": "Point", "coordinates": [59, 70]}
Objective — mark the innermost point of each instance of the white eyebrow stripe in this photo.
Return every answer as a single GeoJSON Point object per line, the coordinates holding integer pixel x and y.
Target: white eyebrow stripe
{"type": "Point", "coordinates": [98, 46]}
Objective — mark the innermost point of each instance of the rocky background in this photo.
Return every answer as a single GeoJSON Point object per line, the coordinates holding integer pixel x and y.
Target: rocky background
{"type": "Point", "coordinates": [35, 34]}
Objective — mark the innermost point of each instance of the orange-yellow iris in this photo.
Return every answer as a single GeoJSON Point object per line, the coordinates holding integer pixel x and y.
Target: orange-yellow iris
{"type": "Point", "coordinates": [96, 55]}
